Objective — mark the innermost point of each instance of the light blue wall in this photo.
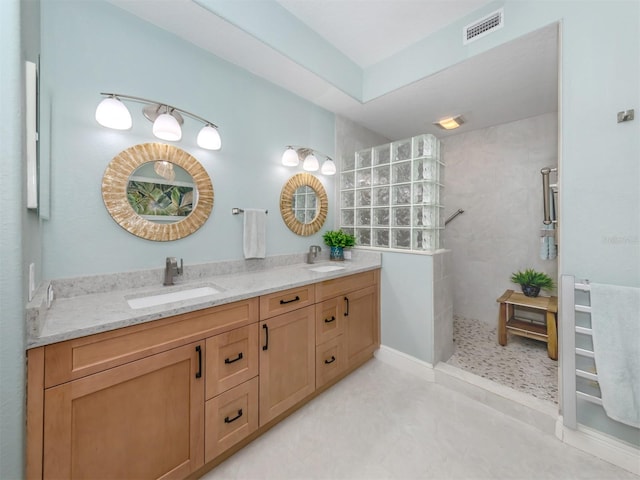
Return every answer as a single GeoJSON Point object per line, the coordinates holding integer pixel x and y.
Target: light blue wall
{"type": "Point", "coordinates": [406, 305]}
{"type": "Point", "coordinates": [93, 47]}
{"type": "Point", "coordinates": [600, 166]}
{"type": "Point", "coordinates": [282, 31]}
{"type": "Point", "coordinates": [20, 233]}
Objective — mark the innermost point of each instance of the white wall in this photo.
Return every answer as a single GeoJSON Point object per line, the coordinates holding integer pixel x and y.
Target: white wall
{"type": "Point", "coordinates": [493, 174]}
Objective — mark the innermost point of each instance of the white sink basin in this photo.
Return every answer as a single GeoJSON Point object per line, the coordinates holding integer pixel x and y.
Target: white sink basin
{"type": "Point", "coordinates": [326, 268]}
{"type": "Point", "coordinates": [176, 296]}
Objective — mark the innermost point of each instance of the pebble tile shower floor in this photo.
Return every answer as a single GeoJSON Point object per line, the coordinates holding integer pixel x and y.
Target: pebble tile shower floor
{"type": "Point", "coordinates": [522, 364]}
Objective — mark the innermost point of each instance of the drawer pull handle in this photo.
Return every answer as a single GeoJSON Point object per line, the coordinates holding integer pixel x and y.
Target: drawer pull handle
{"type": "Point", "coordinates": [346, 299]}
{"type": "Point", "coordinates": [329, 320]}
{"type": "Point", "coordinates": [199, 372]}
{"type": "Point", "coordinates": [229, 420]}
{"type": "Point", "coordinates": [333, 359]}
{"type": "Point", "coordinates": [228, 360]}
{"type": "Point", "coordinates": [266, 337]}
{"type": "Point", "coordinates": [284, 302]}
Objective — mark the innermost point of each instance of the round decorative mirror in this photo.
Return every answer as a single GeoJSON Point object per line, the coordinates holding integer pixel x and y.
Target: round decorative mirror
{"type": "Point", "coordinates": [304, 204]}
{"type": "Point", "coordinates": [157, 191]}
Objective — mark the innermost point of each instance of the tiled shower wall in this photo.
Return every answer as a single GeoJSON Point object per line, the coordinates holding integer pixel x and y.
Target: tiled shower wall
{"type": "Point", "coordinates": [493, 174]}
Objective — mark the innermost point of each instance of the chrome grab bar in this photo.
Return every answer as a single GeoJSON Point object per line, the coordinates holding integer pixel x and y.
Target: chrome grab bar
{"type": "Point", "coordinates": [545, 194]}
{"type": "Point", "coordinates": [454, 215]}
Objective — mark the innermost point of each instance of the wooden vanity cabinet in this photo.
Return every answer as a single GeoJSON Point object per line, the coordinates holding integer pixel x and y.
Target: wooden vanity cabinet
{"type": "Point", "coordinates": [173, 397]}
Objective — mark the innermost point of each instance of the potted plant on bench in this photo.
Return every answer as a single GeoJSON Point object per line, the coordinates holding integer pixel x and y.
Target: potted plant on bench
{"type": "Point", "coordinates": [532, 281]}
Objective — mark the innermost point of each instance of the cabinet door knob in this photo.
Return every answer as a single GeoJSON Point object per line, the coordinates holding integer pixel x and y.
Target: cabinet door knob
{"type": "Point", "coordinates": [333, 359]}
{"type": "Point", "coordinates": [329, 320]}
{"type": "Point", "coordinates": [346, 313]}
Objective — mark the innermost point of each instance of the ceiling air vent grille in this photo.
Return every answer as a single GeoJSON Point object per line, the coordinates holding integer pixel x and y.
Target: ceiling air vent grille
{"type": "Point", "coordinates": [482, 27]}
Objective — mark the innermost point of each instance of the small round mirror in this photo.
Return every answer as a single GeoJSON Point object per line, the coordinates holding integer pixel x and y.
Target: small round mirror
{"type": "Point", "coordinates": [304, 204]}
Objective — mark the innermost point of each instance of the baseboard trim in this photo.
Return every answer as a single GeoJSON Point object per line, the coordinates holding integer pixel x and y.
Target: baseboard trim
{"type": "Point", "coordinates": [519, 406]}
{"type": "Point", "coordinates": [406, 363]}
{"type": "Point", "coordinates": [600, 445]}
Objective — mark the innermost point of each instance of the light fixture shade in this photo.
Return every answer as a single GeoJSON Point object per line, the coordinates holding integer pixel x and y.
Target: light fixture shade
{"type": "Point", "coordinates": [166, 127]}
{"type": "Point", "coordinates": [112, 113]}
{"type": "Point", "coordinates": [328, 167]}
{"type": "Point", "coordinates": [290, 158]}
{"type": "Point", "coordinates": [209, 138]}
{"type": "Point", "coordinates": [310, 163]}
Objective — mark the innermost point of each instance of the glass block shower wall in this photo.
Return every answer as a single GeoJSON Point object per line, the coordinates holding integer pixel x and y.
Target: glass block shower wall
{"type": "Point", "coordinates": [390, 195]}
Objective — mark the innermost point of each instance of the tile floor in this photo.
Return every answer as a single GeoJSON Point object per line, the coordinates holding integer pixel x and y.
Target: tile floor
{"type": "Point", "coordinates": [383, 423]}
{"type": "Point", "coordinates": [522, 364]}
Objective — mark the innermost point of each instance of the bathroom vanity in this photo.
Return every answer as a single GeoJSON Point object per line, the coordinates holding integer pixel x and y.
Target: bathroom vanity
{"type": "Point", "coordinates": [174, 396]}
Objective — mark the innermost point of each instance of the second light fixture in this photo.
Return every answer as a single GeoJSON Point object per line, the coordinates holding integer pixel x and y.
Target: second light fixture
{"type": "Point", "coordinates": [293, 155]}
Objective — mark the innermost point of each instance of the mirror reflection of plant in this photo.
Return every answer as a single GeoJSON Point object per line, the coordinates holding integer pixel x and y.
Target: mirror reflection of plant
{"type": "Point", "coordinates": [158, 199]}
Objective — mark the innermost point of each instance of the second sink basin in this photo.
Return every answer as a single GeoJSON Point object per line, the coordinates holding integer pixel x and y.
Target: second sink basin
{"type": "Point", "coordinates": [175, 296]}
{"type": "Point", "coordinates": [326, 268]}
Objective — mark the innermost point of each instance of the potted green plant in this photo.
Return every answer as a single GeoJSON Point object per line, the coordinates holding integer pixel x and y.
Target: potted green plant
{"type": "Point", "coordinates": [532, 281]}
{"type": "Point", "coordinates": [337, 240]}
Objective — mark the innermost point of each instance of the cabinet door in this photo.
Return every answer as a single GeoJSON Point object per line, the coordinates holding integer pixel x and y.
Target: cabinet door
{"type": "Point", "coordinates": [287, 361]}
{"type": "Point", "coordinates": [362, 324]}
{"type": "Point", "coordinates": [140, 420]}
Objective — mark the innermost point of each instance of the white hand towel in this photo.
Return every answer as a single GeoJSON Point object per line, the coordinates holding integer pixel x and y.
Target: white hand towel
{"type": "Point", "coordinates": [615, 321]}
{"type": "Point", "coordinates": [255, 233]}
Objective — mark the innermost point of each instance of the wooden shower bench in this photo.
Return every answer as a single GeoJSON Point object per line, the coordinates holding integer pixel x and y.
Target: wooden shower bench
{"type": "Point", "coordinates": [509, 322]}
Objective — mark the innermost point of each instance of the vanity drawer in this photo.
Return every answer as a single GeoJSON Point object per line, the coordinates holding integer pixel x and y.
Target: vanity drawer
{"type": "Point", "coordinates": [329, 319]}
{"type": "Point", "coordinates": [230, 417]}
{"type": "Point", "coordinates": [79, 357]}
{"type": "Point", "coordinates": [286, 301]}
{"type": "Point", "coordinates": [331, 360]}
{"type": "Point", "coordinates": [231, 358]}
{"type": "Point", "coordinates": [342, 285]}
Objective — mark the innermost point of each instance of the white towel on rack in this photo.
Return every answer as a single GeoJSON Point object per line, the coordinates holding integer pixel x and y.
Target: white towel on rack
{"type": "Point", "coordinates": [255, 233]}
{"type": "Point", "coordinates": [615, 323]}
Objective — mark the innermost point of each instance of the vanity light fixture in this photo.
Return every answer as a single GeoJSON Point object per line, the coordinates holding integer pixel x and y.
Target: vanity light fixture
{"type": "Point", "coordinates": [450, 123]}
{"type": "Point", "coordinates": [293, 155]}
{"type": "Point", "coordinates": [167, 119]}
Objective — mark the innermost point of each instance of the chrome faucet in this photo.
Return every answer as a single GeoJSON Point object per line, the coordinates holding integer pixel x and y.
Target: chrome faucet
{"type": "Point", "coordinates": [171, 269]}
{"type": "Point", "coordinates": [313, 253]}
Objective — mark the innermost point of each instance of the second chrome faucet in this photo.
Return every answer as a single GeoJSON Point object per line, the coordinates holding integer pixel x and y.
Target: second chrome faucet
{"type": "Point", "coordinates": [313, 253]}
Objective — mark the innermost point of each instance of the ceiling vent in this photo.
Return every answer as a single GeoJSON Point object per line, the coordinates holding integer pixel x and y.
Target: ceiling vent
{"type": "Point", "coordinates": [482, 27]}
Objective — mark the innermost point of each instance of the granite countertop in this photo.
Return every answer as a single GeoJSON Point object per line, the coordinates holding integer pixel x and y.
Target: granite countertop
{"type": "Point", "coordinates": [88, 305]}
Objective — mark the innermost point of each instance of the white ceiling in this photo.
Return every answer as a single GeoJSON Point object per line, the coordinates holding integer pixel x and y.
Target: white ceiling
{"type": "Point", "coordinates": [511, 82]}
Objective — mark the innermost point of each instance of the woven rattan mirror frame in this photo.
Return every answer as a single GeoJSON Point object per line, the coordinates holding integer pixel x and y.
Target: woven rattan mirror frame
{"type": "Point", "coordinates": [114, 191]}
{"type": "Point", "coordinates": [286, 204]}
